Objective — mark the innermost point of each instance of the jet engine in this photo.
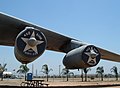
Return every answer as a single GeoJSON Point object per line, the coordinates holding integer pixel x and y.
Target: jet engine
{"type": "Point", "coordinates": [82, 57]}
{"type": "Point", "coordinates": [29, 45]}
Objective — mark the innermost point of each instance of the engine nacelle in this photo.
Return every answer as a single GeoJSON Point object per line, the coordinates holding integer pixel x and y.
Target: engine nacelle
{"type": "Point", "coordinates": [29, 45]}
{"type": "Point", "coordinates": [82, 57]}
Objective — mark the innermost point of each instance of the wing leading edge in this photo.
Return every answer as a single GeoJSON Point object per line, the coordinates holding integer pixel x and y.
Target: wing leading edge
{"type": "Point", "coordinates": [11, 26]}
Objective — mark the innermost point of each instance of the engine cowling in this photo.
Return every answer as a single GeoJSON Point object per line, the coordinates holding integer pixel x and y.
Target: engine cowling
{"type": "Point", "coordinates": [82, 57]}
{"type": "Point", "coordinates": [29, 45]}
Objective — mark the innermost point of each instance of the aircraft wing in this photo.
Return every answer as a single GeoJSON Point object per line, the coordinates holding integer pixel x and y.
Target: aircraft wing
{"type": "Point", "coordinates": [107, 55]}
{"type": "Point", "coordinates": [10, 27]}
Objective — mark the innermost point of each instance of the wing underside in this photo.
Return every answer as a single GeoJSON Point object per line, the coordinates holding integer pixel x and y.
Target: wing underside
{"type": "Point", "coordinates": [11, 26]}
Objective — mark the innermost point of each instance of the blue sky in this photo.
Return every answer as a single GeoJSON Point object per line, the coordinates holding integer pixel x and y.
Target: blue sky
{"type": "Point", "coordinates": [93, 21]}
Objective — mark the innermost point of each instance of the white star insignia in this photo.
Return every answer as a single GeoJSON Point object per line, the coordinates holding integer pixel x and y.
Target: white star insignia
{"type": "Point", "coordinates": [92, 57]}
{"type": "Point", "coordinates": [31, 43]}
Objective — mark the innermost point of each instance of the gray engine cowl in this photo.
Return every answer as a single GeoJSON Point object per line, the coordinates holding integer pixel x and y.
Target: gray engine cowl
{"type": "Point", "coordinates": [82, 57]}
{"type": "Point", "coordinates": [29, 45]}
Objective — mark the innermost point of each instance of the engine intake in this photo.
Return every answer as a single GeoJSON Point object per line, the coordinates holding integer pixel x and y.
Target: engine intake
{"type": "Point", "coordinates": [82, 57]}
{"type": "Point", "coordinates": [29, 45]}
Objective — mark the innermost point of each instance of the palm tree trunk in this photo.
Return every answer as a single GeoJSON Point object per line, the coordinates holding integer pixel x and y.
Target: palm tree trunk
{"type": "Point", "coordinates": [47, 77]}
{"type": "Point", "coordinates": [2, 77]}
{"type": "Point", "coordinates": [85, 76]}
{"type": "Point", "coordinates": [25, 77]}
{"type": "Point", "coordinates": [116, 77]}
{"type": "Point", "coordinates": [101, 77]}
{"type": "Point", "coordinates": [67, 76]}
{"type": "Point", "coordinates": [82, 74]}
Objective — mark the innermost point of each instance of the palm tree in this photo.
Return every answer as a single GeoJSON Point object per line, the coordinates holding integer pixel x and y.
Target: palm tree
{"type": "Point", "coordinates": [66, 72]}
{"type": "Point", "coordinates": [23, 69]}
{"type": "Point", "coordinates": [100, 71]}
{"type": "Point", "coordinates": [86, 71]}
{"type": "Point", "coordinates": [115, 71]}
{"type": "Point", "coordinates": [2, 69]}
{"type": "Point", "coordinates": [46, 70]}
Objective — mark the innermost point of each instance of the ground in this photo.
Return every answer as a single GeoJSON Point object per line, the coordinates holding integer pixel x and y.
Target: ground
{"type": "Point", "coordinates": [73, 82]}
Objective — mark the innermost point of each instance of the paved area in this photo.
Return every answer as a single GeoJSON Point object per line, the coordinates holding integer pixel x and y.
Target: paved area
{"type": "Point", "coordinates": [63, 84]}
